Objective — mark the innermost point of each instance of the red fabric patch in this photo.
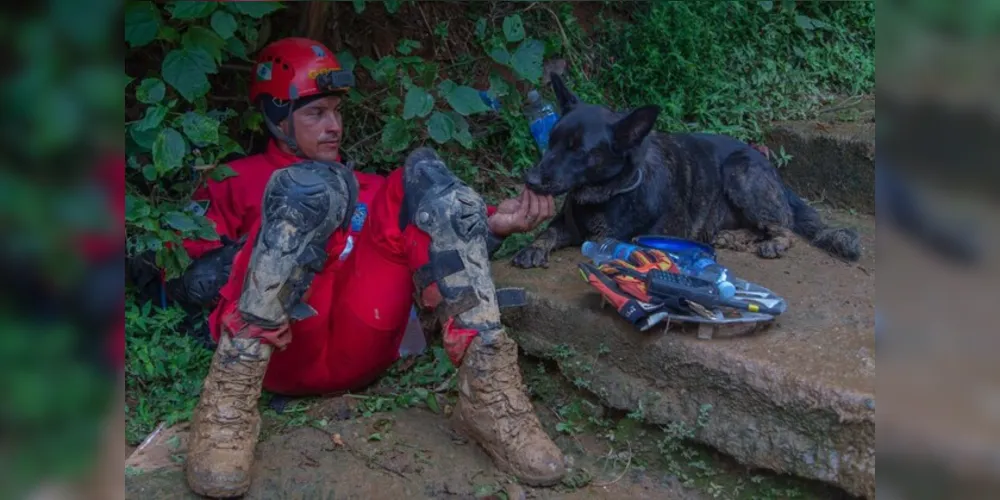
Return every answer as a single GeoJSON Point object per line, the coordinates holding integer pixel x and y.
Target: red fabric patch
{"type": "Point", "coordinates": [457, 340]}
{"type": "Point", "coordinates": [233, 322]}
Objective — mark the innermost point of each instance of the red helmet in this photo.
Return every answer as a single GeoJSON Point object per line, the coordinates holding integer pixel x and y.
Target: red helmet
{"type": "Point", "coordinates": [304, 65]}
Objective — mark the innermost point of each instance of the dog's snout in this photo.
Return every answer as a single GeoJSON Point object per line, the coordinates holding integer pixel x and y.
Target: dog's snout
{"type": "Point", "coordinates": [533, 178]}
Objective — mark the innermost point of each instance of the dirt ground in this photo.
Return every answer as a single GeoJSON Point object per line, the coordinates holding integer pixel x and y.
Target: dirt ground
{"type": "Point", "coordinates": [327, 452]}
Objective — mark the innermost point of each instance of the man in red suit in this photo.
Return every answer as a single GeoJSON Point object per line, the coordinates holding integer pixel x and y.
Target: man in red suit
{"type": "Point", "coordinates": [318, 298]}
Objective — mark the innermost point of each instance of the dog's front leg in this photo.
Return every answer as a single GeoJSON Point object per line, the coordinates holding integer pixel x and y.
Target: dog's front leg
{"type": "Point", "coordinates": [556, 236]}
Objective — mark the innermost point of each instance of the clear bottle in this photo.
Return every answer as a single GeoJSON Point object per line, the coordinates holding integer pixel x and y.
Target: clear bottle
{"type": "Point", "coordinates": [542, 117]}
{"type": "Point", "coordinates": [607, 250]}
{"type": "Point", "coordinates": [702, 266]}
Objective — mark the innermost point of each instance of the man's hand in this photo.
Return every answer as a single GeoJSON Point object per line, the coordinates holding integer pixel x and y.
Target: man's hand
{"type": "Point", "coordinates": [521, 214]}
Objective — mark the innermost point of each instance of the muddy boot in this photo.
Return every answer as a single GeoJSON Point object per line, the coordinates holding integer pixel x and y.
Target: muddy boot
{"type": "Point", "coordinates": [493, 408]}
{"type": "Point", "coordinates": [303, 205]}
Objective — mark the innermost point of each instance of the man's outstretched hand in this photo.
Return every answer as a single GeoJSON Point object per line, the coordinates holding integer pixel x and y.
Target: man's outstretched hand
{"type": "Point", "coordinates": [521, 214]}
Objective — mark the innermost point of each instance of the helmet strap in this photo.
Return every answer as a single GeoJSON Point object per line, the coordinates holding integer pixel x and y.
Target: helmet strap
{"type": "Point", "coordinates": [289, 139]}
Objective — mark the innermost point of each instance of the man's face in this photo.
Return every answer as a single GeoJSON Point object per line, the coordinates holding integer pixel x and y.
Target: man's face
{"type": "Point", "coordinates": [318, 128]}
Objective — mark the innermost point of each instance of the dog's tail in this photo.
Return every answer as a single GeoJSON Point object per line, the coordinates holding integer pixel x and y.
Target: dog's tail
{"type": "Point", "coordinates": [841, 242]}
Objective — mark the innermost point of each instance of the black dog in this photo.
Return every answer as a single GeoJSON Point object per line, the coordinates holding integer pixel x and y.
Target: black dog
{"type": "Point", "coordinates": [623, 179]}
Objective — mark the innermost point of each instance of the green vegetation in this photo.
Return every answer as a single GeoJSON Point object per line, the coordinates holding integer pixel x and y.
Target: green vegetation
{"type": "Point", "coordinates": [729, 67]}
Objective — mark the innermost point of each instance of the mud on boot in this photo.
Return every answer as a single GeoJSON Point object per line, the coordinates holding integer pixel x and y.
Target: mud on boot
{"type": "Point", "coordinates": [493, 408]}
{"type": "Point", "coordinates": [302, 207]}
{"type": "Point", "coordinates": [226, 423]}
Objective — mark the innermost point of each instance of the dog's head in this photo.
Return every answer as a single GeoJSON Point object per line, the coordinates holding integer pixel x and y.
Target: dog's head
{"type": "Point", "coordinates": [589, 145]}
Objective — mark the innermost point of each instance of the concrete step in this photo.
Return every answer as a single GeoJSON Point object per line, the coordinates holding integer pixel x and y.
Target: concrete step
{"type": "Point", "coordinates": [797, 398]}
{"type": "Point", "coordinates": [833, 160]}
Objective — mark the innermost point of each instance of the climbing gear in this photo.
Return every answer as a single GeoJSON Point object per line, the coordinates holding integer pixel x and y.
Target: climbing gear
{"type": "Point", "coordinates": [302, 207]}
{"type": "Point", "coordinates": [650, 288]}
{"type": "Point", "coordinates": [493, 408]}
{"type": "Point", "coordinates": [292, 69]}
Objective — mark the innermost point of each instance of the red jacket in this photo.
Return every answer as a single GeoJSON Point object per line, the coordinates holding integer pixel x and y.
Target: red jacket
{"type": "Point", "coordinates": [233, 204]}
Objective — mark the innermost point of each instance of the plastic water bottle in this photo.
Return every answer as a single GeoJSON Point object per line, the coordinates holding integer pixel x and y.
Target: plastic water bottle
{"type": "Point", "coordinates": [700, 265]}
{"type": "Point", "coordinates": [493, 104]}
{"type": "Point", "coordinates": [607, 250]}
{"type": "Point", "coordinates": [541, 118]}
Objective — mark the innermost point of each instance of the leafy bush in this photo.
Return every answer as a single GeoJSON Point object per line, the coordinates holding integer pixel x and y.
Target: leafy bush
{"type": "Point", "coordinates": [180, 139]}
{"type": "Point", "coordinates": [164, 369]}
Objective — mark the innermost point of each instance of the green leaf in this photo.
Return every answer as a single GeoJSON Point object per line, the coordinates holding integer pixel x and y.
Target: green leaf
{"type": "Point", "coordinates": [142, 23]}
{"type": "Point", "coordinates": [461, 134]}
{"type": "Point", "coordinates": [432, 402]}
{"type": "Point", "coordinates": [236, 47]}
{"type": "Point", "coordinates": [168, 34]}
{"type": "Point", "coordinates": [185, 71]}
{"type": "Point", "coordinates": [256, 10]}
{"type": "Point", "coordinates": [201, 38]}
{"type": "Point", "coordinates": [359, 6]}
{"type": "Point", "coordinates": [427, 72]}
{"type": "Point", "coordinates": [200, 129]}
{"type": "Point", "coordinates": [418, 103]}
{"type": "Point", "coordinates": [466, 101]}
{"type": "Point", "coordinates": [347, 60]}
{"type": "Point", "coordinates": [481, 28]}
{"type": "Point", "coordinates": [513, 28]}
{"type": "Point", "coordinates": [180, 221]}
{"type": "Point", "coordinates": [149, 172]}
{"type": "Point", "coordinates": [221, 172]}
{"type": "Point", "coordinates": [527, 60]}
{"type": "Point", "coordinates": [150, 91]}
{"type": "Point", "coordinates": [153, 118]}
{"type": "Point", "coordinates": [144, 138]}
{"type": "Point", "coordinates": [224, 24]}
{"type": "Point", "coordinates": [191, 10]}
{"type": "Point", "coordinates": [391, 6]}
{"type": "Point", "coordinates": [168, 150]}
{"type": "Point", "coordinates": [498, 85]}
{"type": "Point", "coordinates": [766, 5]}
{"type": "Point", "coordinates": [396, 136]}
{"type": "Point", "coordinates": [384, 69]}
{"type": "Point", "coordinates": [804, 22]}
{"type": "Point", "coordinates": [440, 127]}
{"type": "Point", "coordinates": [391, 103]}
{"type": "Point", "coordinates": [500, 55]}
{"type": "Point", "coordinates": [446, 87]}
{"type": "Point", "coordinates": [407, 46]}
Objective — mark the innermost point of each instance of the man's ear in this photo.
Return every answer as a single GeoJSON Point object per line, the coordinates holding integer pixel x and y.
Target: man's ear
{"type": "Point", "coordinates": [566, 99]}
{"type": "Point", "coordinates": [630, 131]}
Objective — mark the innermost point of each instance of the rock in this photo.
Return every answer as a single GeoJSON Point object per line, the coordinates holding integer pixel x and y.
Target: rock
{"type": "Point", "coordinates": [831, 162]}
{"type": "Point", "coordinates": [795, 398]}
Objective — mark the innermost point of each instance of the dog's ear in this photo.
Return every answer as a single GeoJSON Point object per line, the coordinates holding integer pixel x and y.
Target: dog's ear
{"type": "Point", "coordinates": [567, 100]}
{"type": "Point", "coordinates": [630, 131]}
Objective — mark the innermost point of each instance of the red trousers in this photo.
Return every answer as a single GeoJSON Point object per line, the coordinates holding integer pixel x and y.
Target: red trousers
{"type": "Point", "coordinates": [363, 302]}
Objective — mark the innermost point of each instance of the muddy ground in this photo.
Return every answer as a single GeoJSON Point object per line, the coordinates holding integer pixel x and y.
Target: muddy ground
{"type": "Point", "coordinates": [323, 448]}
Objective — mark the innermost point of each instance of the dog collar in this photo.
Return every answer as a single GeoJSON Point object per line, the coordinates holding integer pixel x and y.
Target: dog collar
{"type": "Point", "coordinates": [631, 187]}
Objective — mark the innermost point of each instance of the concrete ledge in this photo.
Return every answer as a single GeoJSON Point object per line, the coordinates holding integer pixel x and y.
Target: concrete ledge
{"type": "Point", "coordinates": [831, 162]}
{"type": "Point", "coordinates": [797, 398]}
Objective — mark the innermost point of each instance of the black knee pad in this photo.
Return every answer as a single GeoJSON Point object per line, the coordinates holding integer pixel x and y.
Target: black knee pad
{"type": "Point", "coordinates": [304, 204]}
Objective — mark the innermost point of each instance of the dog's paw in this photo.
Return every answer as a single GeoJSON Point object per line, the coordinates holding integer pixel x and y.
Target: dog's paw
{"type": "Point", "coordinates": [773, 249]}
{"type": "Point", "coordinates": [530, 257]}
{"type": "Point", "coordinates": [739, 240]}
